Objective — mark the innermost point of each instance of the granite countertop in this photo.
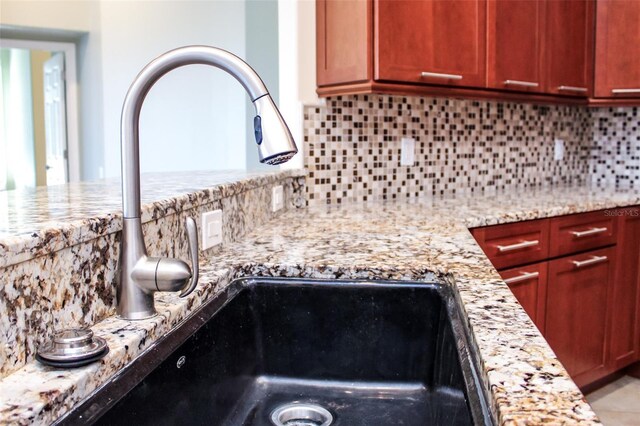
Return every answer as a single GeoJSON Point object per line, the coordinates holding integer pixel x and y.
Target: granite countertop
{"type": "Point", "coordinates": [409, 240]}
{"type": "Point", "coordinates": [37, 221]}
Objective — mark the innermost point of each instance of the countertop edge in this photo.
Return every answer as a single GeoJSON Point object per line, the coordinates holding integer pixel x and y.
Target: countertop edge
{"type": "Point", "coordinates": [23, 247]}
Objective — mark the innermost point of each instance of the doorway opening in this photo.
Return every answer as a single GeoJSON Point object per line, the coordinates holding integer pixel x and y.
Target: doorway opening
{"type": "Point", "coordinates": [38, 114]}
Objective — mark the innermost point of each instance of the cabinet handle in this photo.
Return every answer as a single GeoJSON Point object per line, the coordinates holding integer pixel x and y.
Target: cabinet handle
{"type": "Point", "coordinates": [440, 75]}
{"type": "Point", "coordinates": [573, 89]}
{"type": "Point", "coordinates": [592, 231]}
{"type": "Point", "coordinates": [520, 83]}
{"type": "Point", "coordinates": [518, 246]}
{"type": "Point", "coordinates": [623, 91]}
{"type": "Point", "coordinates": [592, 261]}
{"type": "Point", "coordinates": [522, 277]}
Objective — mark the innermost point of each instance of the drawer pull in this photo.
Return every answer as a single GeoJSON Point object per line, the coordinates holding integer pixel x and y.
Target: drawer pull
{"type": "Point", "coordinates": [573, 89]}
{"type": "Point", "coordinates": [592, 231]}
{"type": "Point", "coordinates": [522, 277]}
{"type": "Point", "coordinates": [592, 261]}
{"type": "Point", "coordinates": [518, 246]}
{"type": "Point", "coordinates": [520, 83]}
{"type": "Point", "coordinates": [440, 75]}
{"type": "Point", "coordinates": [624, 91]}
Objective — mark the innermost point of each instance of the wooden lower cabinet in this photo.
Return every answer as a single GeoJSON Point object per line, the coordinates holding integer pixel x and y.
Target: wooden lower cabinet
{"type": "Point", "coordinates": [625, 312]}
{"type": "Point", "coordinates": [577, 311]}
{"type": "Point", "coordinates": [580, 285]}
{"type": "Point", "coordinates": [529, 285]}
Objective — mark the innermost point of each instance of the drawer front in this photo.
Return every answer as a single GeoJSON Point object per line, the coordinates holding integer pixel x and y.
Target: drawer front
{"type": "Point", "coordinates": [582, 232]}
{"type": "Point", "coordinates": [515, 243]}
{"type": "Point", "coordinates": [529, 285]}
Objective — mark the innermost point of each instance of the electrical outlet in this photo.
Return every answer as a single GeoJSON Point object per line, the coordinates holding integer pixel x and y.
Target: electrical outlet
{"type": "Point", "coordinates": [277, 198]}
{"type": "Point", "coordinates": [558, 149]}
{"type": "Point", "coordinates": [407, 151]}
{"type": "Point", "coordinates": [211, 229]}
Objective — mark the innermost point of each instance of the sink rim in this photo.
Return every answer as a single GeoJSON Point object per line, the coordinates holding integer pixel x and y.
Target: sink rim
{"type": "Point", "coordinates": [105, 397]}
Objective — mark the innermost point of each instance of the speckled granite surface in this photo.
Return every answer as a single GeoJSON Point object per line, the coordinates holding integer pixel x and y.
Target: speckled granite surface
{"type": "Point", "coordinates": [38, 221]}
{"type": "Point", "coordinates": [406, 241]}
{"type": "Point", "coordinates": [73, 285]}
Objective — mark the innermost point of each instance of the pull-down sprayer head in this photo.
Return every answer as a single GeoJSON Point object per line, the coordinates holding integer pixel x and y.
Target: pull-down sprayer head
{"type": "Point", "coordinates": [275, 143]}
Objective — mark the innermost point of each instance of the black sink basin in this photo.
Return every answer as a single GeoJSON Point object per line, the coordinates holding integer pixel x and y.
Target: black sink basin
{"type": "Point", "coordinates": [368, 353]}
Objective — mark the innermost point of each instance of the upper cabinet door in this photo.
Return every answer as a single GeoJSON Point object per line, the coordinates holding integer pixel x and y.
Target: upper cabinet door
{"type": "Point", "coordinates": [431, 41]}
{"type": "Point", "coordinates": [343, 41]}
{"type": "Point", "coordinates": [515, 37]}
{"type": "Point", "coordinates": [569, 47]}
{"type": "Point", "coordinates": [617, 49]}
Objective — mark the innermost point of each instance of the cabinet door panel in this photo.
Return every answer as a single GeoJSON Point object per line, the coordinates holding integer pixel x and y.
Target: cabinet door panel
{"type": "Point", "coordinates": [445, 39]}
{"type": "Point", "coordinates": [624, 309]}
{"type": "Point", "coordinates": [569, 29]}
{"type": "Point", "coordinates": [617, 49]}
{"type": "Point", "coordinates": [576, 314]}
{"type": "Point", "coordinates": [343, 41]}
{"type": "Point", "coordinates": [529, 285]}
{"type": "Point", "coordinates": [515, 37]}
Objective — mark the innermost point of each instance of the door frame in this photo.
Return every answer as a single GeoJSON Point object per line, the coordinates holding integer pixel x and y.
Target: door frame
{"type": "Point", "coordinates": [71, 89]}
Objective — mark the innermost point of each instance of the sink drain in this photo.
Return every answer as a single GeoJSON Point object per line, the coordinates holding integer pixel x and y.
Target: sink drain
{"type": "Point", "coordinates": [301, 415]}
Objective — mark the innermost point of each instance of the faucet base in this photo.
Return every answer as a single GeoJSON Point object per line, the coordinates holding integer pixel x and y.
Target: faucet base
{"type": "Point", "coordinates": [138, 316]}
{"type": "Point", "coordinates": [133, 302]}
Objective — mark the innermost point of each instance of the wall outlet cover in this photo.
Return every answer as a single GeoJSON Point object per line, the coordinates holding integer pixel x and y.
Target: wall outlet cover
{"type": "Point", "coordinates": [277, 198]}
{"type": "Point", "coordinates": [211, 229]}
{"type": "Point", "coordinates": [558, 149]}
{"type": "Point", "coordinates": [407, 151]}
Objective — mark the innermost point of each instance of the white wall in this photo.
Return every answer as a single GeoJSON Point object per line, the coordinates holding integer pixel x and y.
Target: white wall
{"type": "Point", "coordinates": [194, 118]}
{"type": "Point", "coordinates": [76, 16]}
{"type": "Point", "coordinates": [262, 53]}
{"type": "Point", "coordinates": [297, 50]}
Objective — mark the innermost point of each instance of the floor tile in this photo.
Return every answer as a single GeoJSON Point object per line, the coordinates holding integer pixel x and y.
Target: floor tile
{"type": "Point", "coordinates": [618, 403]}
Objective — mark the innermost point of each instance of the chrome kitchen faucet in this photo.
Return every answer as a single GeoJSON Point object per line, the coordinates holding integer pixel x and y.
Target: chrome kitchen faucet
{"type": "Point", "coordinates": [140, 276]}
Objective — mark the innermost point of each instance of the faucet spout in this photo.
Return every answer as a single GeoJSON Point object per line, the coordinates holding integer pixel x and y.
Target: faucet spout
{"type": "Point", "coordinates": [139, 276]}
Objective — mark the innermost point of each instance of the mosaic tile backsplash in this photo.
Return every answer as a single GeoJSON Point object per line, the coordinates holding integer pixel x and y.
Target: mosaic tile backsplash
{"type": "Point", "coordinates": [615, 150]}
{"type": "Point", "coordinates": [353, 146]}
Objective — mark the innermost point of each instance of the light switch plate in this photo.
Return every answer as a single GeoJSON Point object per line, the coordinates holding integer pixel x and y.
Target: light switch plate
{"type": "Point", "coordinates": [211, 229]}
{"type": "Point", "coordinates": [277, 198]}
{"type": "Point", "coordinates": [407, 151]}
{"type": "Point", "coordinates": [558, 149]}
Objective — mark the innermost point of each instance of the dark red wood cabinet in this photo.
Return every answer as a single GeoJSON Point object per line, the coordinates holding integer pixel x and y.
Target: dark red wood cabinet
{"type": "Point", "coordinates": [515, 34]}
{"type": "Point", "coordinates": [529, 285]}
{"type": "Point", "coordinates": [516, 243]}
{"type": "Point", "coordinates": [617, 60]}
{"type": "Point", "coordinates": [577, 310]}
{"type": "Point", "coordinates": [569, 28]}
{"type": "Point", "coordinates": [625, 315]}
{"type": "Point", "coordinates": [531, 50]}
{"type": "Point", "coordinates": [435, 42]}
{"type": "Point", "coordinates": [581, 232]}
{"type": "Point", "coordinates": [580, 285]}
{"type": "Point", "coordinates": [342, 41]}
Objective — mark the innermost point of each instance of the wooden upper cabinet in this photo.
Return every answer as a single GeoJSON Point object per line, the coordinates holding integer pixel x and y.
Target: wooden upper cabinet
{"type": "Point", "coordinates": [431, 41]}
{"type": "Point", "coordinates": [343, 41]}
{"type": "Point", "coordinates": [515, 45]}
{"type": "Point", "coordinates": [529, 50]}
{"type": "Point", "coordinates": [617, 64]}
{"type": "Point", "coordinates": [569, 46]}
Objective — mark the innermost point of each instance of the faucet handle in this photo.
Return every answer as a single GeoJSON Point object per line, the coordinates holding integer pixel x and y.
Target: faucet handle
{"type": "Point", "coordinates": [192, 235]}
